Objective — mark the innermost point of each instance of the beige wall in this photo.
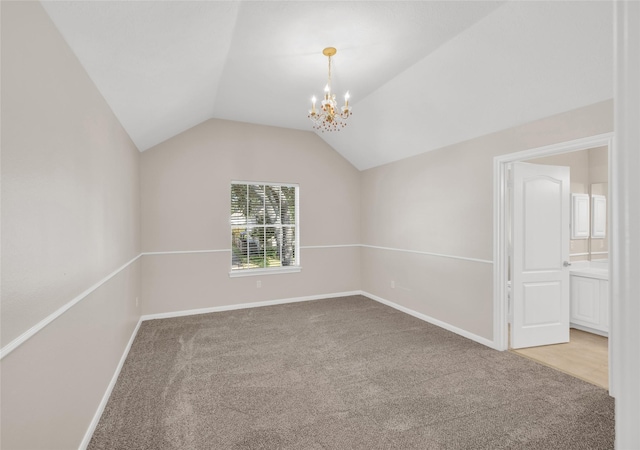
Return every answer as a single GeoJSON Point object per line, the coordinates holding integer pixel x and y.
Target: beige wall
{"type": "Point", "coordinates": [70, 217]}
{"type": "Point", "coordinates": [441, 202]}
{"type": "Point", "coordinates": [185, 188]}
{"type": "Point", "coordinates": [598, 165]}
{"type": "Point", "coordinates": [53, 384]}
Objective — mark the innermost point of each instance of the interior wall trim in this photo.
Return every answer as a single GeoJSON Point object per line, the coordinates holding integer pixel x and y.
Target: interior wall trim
{"type": "Point", "coordinates": [191, 312]}
{"type": "Point", "coordinates": [421, 316]}
{"type": "Point", "coordinates": [11, 346]}
{"type": "Point", "coordinates": [330, 246]}
{"type": "Point", "coordinates": [440, 255]}
{"type": "Point", "coordinates": [105, 398]}
{"type": "Point", "coordinates": [305, 247]}
{"type": "Point", "coordinates": [426, 318]}
{"type": "Point", "coordinates": [433, 321]}
{"type": "Point", "coordinates": [181, 252]}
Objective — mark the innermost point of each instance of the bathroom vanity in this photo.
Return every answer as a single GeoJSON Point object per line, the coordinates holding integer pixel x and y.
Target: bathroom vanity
{"type": "Point", "coordinates": [589, 280]}
{"type": "Point", "coordinates": [590, 296]}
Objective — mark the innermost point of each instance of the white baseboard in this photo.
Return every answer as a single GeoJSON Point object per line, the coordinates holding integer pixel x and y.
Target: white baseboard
{"type": "Point", "coordinates": [191, 312]}
{"type": "Point", "coordinates": [105, 398]}
{"type": "Point", "coordinates": [431, 320]}
{"type": "Point", "coordinates": [588, 329]}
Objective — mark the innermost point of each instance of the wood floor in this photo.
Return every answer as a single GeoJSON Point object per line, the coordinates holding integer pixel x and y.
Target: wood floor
{"type": "Point", "coordinates": [586, 356]}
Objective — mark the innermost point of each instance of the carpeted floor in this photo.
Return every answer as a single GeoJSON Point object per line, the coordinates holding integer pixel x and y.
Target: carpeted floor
{"type": "Point", "coordinates": [344, 373]}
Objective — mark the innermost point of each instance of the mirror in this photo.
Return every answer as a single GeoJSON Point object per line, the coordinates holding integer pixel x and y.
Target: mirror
{"type": "Point", "coordinates": [598, 241]}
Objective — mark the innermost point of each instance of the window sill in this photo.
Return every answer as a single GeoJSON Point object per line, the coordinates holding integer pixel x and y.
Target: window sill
{"type": "Point", "coordinates": [259, 272]}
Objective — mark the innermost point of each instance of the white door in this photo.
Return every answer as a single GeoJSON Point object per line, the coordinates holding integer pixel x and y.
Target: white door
{"type": "Point", "coordinates": [540, 255]}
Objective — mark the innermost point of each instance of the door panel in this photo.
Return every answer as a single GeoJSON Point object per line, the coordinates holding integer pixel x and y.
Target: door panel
{"type": "Point", "coordinates": [540, 307]}
{"type": "Point", "coordinates": [542, 208]}
{"type": "Point", "coordinates": [540, 246]}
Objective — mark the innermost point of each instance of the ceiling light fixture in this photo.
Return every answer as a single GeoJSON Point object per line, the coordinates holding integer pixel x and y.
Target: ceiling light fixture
{"type": "Point", "coordinates": [328, 117]}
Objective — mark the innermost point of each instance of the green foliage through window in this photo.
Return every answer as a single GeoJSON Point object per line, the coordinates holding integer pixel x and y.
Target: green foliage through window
{"type": "Point", "coordinates": [263, 225]}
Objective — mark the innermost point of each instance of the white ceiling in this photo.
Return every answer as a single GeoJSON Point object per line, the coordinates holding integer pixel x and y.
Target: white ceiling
{"type": "Point", "coordinates": [422, 74]}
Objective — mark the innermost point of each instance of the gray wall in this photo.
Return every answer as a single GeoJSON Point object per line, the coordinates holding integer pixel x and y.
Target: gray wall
{"type": "Point", "coordinates": [70, 217]}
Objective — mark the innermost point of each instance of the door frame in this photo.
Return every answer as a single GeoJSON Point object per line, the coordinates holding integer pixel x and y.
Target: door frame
{"type": "Point", "coordinates": [500, 247]}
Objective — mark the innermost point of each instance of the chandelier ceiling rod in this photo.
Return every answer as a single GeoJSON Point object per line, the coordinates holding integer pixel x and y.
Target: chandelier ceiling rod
{"type": "Point", "coordinates": [329, 52]}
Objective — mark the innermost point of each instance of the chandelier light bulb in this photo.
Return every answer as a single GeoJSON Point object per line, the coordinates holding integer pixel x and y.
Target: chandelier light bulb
{"type": "Point", "coordinates": [313, 106]}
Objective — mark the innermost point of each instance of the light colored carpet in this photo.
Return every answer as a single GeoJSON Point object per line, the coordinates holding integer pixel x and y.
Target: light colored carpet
{"type": "Point", "coordinates": [345, 373]}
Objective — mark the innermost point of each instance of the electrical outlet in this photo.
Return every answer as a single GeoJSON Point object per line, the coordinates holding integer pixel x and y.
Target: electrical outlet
{"type": "Point", "coordinates": [393, 284]}
{"type": "Point", "coordinates": [137, 302]}
{"type": "Point", "coordinates": [259, 283]}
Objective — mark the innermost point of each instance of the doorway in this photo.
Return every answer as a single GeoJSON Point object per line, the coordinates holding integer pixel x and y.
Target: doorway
{"type": "Point", "coordinates": [501, 227]}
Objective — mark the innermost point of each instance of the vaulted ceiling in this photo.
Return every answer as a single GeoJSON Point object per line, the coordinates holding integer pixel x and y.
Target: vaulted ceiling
{"type": "Point", "coordinates": [422, 74]}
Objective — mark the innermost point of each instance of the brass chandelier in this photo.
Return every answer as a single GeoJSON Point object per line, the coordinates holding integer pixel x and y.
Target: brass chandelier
{"type": "Point", "coordinates": [329, 117]}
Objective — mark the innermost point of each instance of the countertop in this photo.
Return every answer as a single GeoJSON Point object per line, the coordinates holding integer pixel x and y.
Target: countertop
{"type": "Point", "coordinates": [585, 269]}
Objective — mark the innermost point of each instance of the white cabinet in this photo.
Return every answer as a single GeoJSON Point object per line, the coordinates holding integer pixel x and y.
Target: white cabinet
{"type": "Point", "coordinates": [590, 304]}
{"type": "Point", "coordinates": [579, 216]}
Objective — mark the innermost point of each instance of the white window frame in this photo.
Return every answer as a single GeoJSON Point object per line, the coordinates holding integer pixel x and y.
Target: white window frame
{"type": "Point", "coordinates": [233, 273]}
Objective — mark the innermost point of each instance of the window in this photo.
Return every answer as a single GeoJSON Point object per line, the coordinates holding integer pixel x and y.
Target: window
{"type": "Point", "coordinates": [264, 228]}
